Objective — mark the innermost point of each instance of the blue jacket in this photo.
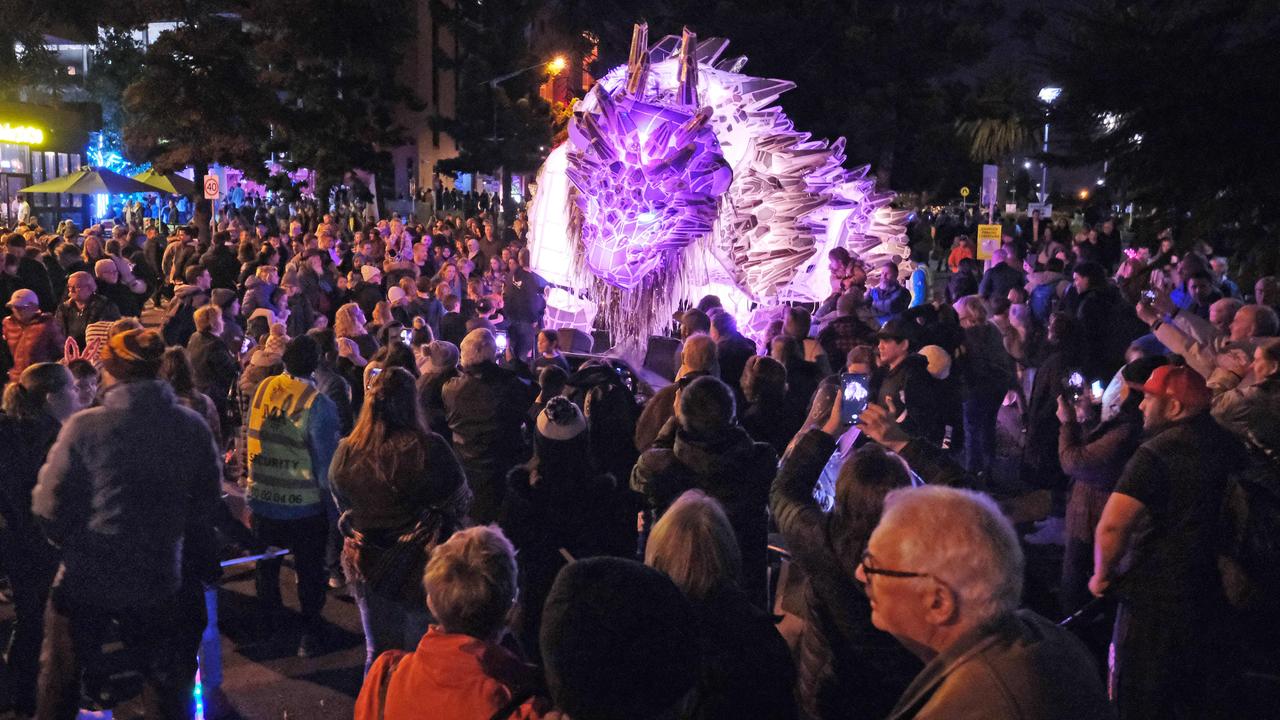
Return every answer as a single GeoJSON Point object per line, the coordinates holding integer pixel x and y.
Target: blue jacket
{"type": "Point", "coordinates": [124, 486]}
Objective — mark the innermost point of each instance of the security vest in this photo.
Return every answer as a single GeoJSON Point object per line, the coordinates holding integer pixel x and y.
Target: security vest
{"type": "Point", "coordinates": [280, 471]}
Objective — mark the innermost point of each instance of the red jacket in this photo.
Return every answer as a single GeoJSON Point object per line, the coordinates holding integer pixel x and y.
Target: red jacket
{"type": "Point", "coordinates": [448, 676]}
{"type": "Point", "coordinates": [35, 342]}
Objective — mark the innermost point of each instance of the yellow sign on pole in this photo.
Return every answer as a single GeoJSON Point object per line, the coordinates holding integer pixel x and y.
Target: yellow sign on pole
{"type": "Point", "coordinates": [964, 192]}
{"type": "Point", "coordinates": [988, 241]}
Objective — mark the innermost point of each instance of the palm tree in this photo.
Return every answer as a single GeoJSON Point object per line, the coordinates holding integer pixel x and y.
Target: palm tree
{"type": "Point", "coordinates": [1002, 122]}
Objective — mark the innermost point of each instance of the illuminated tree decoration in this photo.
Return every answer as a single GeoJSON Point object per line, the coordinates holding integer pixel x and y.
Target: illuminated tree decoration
{"type": "Point", "coordinates": [684, 179]}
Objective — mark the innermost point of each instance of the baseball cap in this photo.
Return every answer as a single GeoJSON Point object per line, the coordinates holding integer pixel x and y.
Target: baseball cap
{"type": "Point", "coordinates": [23, 297]}
{"type": "Point", "coordinates": [1178, 382]}
{"type": "Point", "coordinates": [897, 329]}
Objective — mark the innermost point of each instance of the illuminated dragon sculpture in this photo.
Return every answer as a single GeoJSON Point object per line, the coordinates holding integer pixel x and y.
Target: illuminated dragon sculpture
{"type": "Point", "coordinates": [680, 178]}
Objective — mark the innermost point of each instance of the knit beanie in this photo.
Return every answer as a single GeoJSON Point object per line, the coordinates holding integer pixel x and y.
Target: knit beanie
{"type": "Point", "coordinates": [370, 273]}
{"type": "Point", "coordinates": [561, 420]}
{"type": "Point", "coordinates": [222, 297]}
{"type": "Point", "coordinates": [133, 355]}
{"type": "Point", "coordinates": [619, 641]}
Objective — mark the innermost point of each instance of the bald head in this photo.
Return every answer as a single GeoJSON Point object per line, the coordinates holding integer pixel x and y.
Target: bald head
{"type": "Point", "coordinates": [106, 271]}
{"type": "Point", "coordinates": [699, 355]}
{"type": "Point", "coordinates": [1222, 312]}
{"type": "Point", "coordinates": [1254, 321]}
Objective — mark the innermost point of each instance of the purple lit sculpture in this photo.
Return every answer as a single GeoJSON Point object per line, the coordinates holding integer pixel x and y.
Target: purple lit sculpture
{"type": "Point", "coordinates": [680, 178]}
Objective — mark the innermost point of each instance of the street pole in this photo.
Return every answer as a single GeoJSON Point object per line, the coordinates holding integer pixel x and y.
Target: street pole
{"type": "Point", "coordinates": [1044, 162]}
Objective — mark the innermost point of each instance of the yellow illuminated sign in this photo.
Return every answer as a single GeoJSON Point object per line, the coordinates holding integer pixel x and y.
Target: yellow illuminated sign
{"type": "Point", "coordinates": [25, 134]}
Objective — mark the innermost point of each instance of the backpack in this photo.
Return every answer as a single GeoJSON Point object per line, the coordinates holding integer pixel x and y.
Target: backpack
{"type": "Point", "coordinates": [1250, 560]}
{"type": "Point", "coordinates": [1043, 302]}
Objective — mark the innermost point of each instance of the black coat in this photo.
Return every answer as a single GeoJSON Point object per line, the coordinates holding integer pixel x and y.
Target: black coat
{"type": "Point", "coordinates": [486, 408]}
{"type": "Point", "coordinates": [583, 516]}
{"type": "Point", "coordinates": [846, 667]}
{"type": "Point", "coordinates": [216, 368]}
{"type": "Point", "coordinates": [908, 385]}
{"type": "Point", "coordinates": [729, 467]}
{"type": "Point", "coordinates": [223, 267]}
{"type": "Point", "coordinates": [747, 671]}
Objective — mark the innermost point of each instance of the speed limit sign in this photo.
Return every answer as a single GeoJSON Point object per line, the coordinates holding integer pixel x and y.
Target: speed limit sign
{"type": "Point", "coordinates": [211, 189]}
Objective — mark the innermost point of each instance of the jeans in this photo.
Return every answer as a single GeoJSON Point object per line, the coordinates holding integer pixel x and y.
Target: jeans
{"type": "Point", "coordinates": [981, 409]}
{"type": "Point", "coordinates": [388, 625]}
{"type": "Point", "coordinates": [307, 538]}
{"type": "Point", "coordinates": [158, 638]}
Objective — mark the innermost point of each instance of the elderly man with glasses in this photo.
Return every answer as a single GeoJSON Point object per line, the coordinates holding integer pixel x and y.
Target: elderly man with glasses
{"type": "Point", "coordinates": [943, 571]}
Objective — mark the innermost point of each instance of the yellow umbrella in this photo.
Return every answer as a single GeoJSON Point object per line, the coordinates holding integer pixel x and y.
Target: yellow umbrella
{"type": "Point", "coordinates": [171, 183]}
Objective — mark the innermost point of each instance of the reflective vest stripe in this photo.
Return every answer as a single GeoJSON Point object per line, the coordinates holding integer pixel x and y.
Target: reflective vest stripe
{"type": "Point", "coordinates": [280, 471]}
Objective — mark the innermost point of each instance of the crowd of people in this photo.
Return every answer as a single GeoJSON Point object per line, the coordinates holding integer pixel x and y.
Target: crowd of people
{"type": "Point", "coordinates": [527, 536]}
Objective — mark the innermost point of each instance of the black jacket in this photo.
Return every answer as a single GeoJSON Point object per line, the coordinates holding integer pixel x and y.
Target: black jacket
{"type": "Point", "coordinates": [747, 671]}
{"type": "Point", "coordinates": [215, 366]}
{"type": "Point", "coordinates": [908, 385]}
{"type": "Point", "coordinates": [584, 516]}
{"type": "Point", "coordinates": [846, 667]}
{"type": "Point", "coordinates": [223, 267]}
{"type": "Point", "coordinates": [485, 406]}
{"type": "Point", "coordinates": [729, 467]}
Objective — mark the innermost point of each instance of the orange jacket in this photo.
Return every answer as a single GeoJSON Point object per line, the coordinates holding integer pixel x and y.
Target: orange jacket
{"type": "Point", "coordinates": [37, 341]}
{"type": "Point", "coordinates": [958, 253]}
{"type": "Point", "coordinates": [448, 676]}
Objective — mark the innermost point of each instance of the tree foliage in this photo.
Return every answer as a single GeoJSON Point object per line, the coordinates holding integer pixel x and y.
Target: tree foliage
{"type": "Point", "coordinates": [495, 125]}
{"type": "Point", "coordinates": [332, 65]}
{"type": "Point", "coordinates": [1001, 121]}
{"type": "Point", "coordinates": [1179, 97]}
{"type": "Point", "coordinates": [199, 100]}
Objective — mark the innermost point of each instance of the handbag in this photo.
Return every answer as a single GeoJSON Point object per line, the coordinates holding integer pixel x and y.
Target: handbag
{"type": "Point", "coordinates": [391, 565]}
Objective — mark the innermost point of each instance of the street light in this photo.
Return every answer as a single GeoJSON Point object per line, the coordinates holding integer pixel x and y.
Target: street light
{"type": "Point", "coordinates": [554, 66]}
{"type": "Point", "coordinates": [1047, 96]}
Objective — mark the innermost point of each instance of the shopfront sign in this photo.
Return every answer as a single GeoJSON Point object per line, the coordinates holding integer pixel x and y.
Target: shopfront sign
{"type": "Point", "coordinates": [22, 134]}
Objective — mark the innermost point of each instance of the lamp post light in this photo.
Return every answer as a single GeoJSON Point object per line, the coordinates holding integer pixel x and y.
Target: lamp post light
{"type": "Point", "coordinates": [1047, 95]}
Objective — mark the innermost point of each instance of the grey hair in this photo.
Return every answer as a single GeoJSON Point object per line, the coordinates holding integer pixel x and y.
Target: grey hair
{"type": "Point", "coordinates": [961, 538]}
{"type": "Point", "coordinates": [974, 304]}
{"type": "Point", "coordinates": [479, 346]}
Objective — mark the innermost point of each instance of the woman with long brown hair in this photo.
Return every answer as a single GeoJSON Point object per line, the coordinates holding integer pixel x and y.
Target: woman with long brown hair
{"type": "Point", "coordinates": [401, 491]}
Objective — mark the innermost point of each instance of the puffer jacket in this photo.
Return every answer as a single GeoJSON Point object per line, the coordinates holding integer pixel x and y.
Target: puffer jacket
{"type": "Point", "coordinates": [845, 667]}
{"type": "Point", "coordinates": [75, 322]}
{"type": "Point", "coordinates": [729, 467]}
{"type": "Point", "coordinates": [32, 342]}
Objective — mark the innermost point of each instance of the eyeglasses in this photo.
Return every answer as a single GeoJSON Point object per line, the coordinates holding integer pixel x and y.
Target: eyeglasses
{"type": "Point", "coordinates": [868, 569]}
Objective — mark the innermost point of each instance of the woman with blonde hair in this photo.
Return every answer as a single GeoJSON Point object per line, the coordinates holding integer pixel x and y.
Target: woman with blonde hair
{"type": "Point", "coordinates": [747, 669]}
